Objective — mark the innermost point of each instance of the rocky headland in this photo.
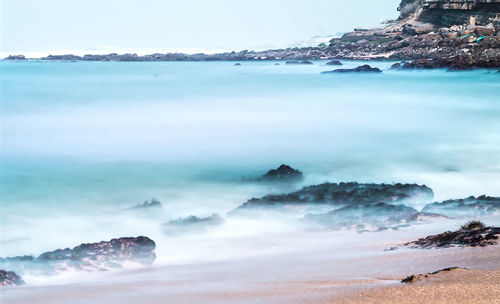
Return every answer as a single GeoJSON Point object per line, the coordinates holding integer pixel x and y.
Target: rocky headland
{"type": "Point", "coordinates": [456, 34]}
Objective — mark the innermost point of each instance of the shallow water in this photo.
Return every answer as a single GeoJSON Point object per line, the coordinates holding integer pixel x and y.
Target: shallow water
{"type": "Point", "coordinates": [83, 141]}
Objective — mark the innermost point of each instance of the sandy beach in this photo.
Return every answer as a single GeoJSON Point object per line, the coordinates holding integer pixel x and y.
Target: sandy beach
{"type": "Point", "coordinates": [308, 277]}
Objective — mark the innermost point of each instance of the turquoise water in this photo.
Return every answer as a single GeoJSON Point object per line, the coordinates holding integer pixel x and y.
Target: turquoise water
{"type": "Point", "coordinates": [83, 141]}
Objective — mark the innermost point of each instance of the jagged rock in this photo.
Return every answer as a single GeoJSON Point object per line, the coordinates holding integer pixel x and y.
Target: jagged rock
{"type": "Point", "coordinates": [467, 207]}
{"type": "Point", "coordinates": [10, 278]}
{"type": "Point", "coordinates": [370, 217]}
{"type": "Point", "coordinates": [192, 224]}
{"type": "Point", "coordinates": [360, 69]}
{"type": "Point", "coordinates": [333, 195]}
{"type": "Point", "coordinates": [334, 62]}
{"type": "Point", "coordinates": [283, 173]}
{"type": "Point", "coordinates": [89, 257]}
{"type": "Point", "coordinates": [464, 237]}
{"type": "Point", "coordinates": [148, 204]}
{"type": "Point", "coordinates": [419, 277]}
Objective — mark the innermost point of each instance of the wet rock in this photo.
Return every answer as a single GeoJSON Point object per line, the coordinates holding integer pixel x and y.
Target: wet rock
{"type": "Point", "coordinates": [148, 204]}
{"type": "Point", "coordinates": [419, 277]}
{"type": "Point", "coordinates": [467, 236]}
{"type": "Point", "coordinates": [360, 69]}
{"type": "Point", "coordinates": [298, 62]}
{"type": "Point", "coordinates": [333, 195]}
{"type": "Point", "coordinates": [10, 278]}
{"type": "Point", "coordinates": [282, 173]}
{"type": "Point", "coordinates": [369, 217]}
{"type": "Point", "coordinates": [89, 257]}
{"type": "Point", "coordinates": [334, 62]}
{"type": "Point", "coordinates": [237, 64]}
{"type": "Point", "coordinates": [420, 64]}
{"type": "Point", "coordinates": [467, 207]}
{"type": "Point", "coordinates": [192, 224]}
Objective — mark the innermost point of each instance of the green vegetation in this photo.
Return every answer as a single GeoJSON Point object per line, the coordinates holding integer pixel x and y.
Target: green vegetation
{"type": "Point", "coordinates": [472, 225]}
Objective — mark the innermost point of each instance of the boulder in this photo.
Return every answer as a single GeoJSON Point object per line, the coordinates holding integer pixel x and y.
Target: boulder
{"type": "Point", "coordinates": [334, 62]}
{"type": "Point", "coordinates": [360, 69]}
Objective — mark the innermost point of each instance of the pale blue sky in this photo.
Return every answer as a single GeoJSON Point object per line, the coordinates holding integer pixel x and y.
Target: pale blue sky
{"type": "Point", "coordinates": [93, 25]}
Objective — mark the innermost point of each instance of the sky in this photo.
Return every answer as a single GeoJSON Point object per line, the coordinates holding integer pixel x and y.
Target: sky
{"type": "Point", "coordinates": [93, 26]}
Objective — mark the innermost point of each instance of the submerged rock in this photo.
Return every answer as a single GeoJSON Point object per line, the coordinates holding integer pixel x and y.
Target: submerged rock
{"type": "Point", "coordinates": [282, 173]}
{"type": "Point", "coordinates": [335, 195]}
{"type": "Point", "coordinates": [369, 217]}
{"type": "Point", "coordinates": [10, 278]}
{"type": "Point", "coordinates": [89, 257]}
{"type": "Point", "coordinates": [148, 204]}
{"type": "Point", "coordinates": [467, 207]}
{"type": "Point", "coordinates": [237, 64]}
{"type": "Point", "coordinates": [419, 277]}
{"type": "Point", "coordinates": [467, 236]}
{"type": "Point", "coordinates": [334, 62]}
{"type": "Point", "coordinates": [192, 224]}
{"type": "Point", "coordinates": [360, 69]}
{"type": "Point", "coordinates": [298, 62]}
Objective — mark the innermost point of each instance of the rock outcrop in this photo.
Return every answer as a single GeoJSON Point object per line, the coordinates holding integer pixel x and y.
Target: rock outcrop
{"type": "Point", "coordinates": [419, 277]}
{"type": "Point", "coordinates": [467, 236]}
{"type": "Point", "coordinates": [10, 278]}
{"type": "Point", "coordinates": [89, 257]}
{"type": "Point", "coordinates": [283, 173]}
{"type": "Point", "coordinates": [333, 195]}
{"type": "Point", "coordinates": [467, 207]}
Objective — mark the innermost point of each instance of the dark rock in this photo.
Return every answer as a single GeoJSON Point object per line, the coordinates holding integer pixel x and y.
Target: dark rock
{"type": "Point", "coordinates": [360, 69]}
{"type": "Point", "coordinates": [192, 224]}
{"type": "Point", "coordinates": [334, 62]}
{"type": "Point", "coordinates": [420, 64]}
{"type": "Point", "coordinates": [398, 65]}
{"type": "Point", "coordinates": [10, 278]}
{"type": "Point", "coordinates": [298, 62]}
{"type": "Point", "coordinates": [282, 173]}
{"type": "Point", "coordinates": [467, 207]}
{"type": "Point", "coordinates": [333, 195]}
{"type": "Point", "coordinates": [148, 204]}
{"type": "Point", "coordinates": [369, 217]}
{"type": "Point", "coordinates": [464, 237]}
{"type": "Point", "coordinates": [419, 277]}
{"type": "Point", "coordinates": [89, 257]}
{"type": "Point", "coordinates": [237, 64]}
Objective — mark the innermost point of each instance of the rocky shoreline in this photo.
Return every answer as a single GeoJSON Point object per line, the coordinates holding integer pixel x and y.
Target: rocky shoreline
{"type": "Point", "coordinates": [458, 34]}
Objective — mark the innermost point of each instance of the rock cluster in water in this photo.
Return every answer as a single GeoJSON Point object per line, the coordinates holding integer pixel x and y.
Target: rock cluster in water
{"type": "Point", "coordinates": [10, 278]}
{"type": "Point", "coordinates": [89, 257]}
{"type": "Point", "coordinates": [148, 204]}
{"type": "Point", "coordinates": [467, 207]}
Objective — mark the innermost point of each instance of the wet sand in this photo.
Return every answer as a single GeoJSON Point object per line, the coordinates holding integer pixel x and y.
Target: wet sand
{"type": "Point", "coordinates": [315, 277]}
